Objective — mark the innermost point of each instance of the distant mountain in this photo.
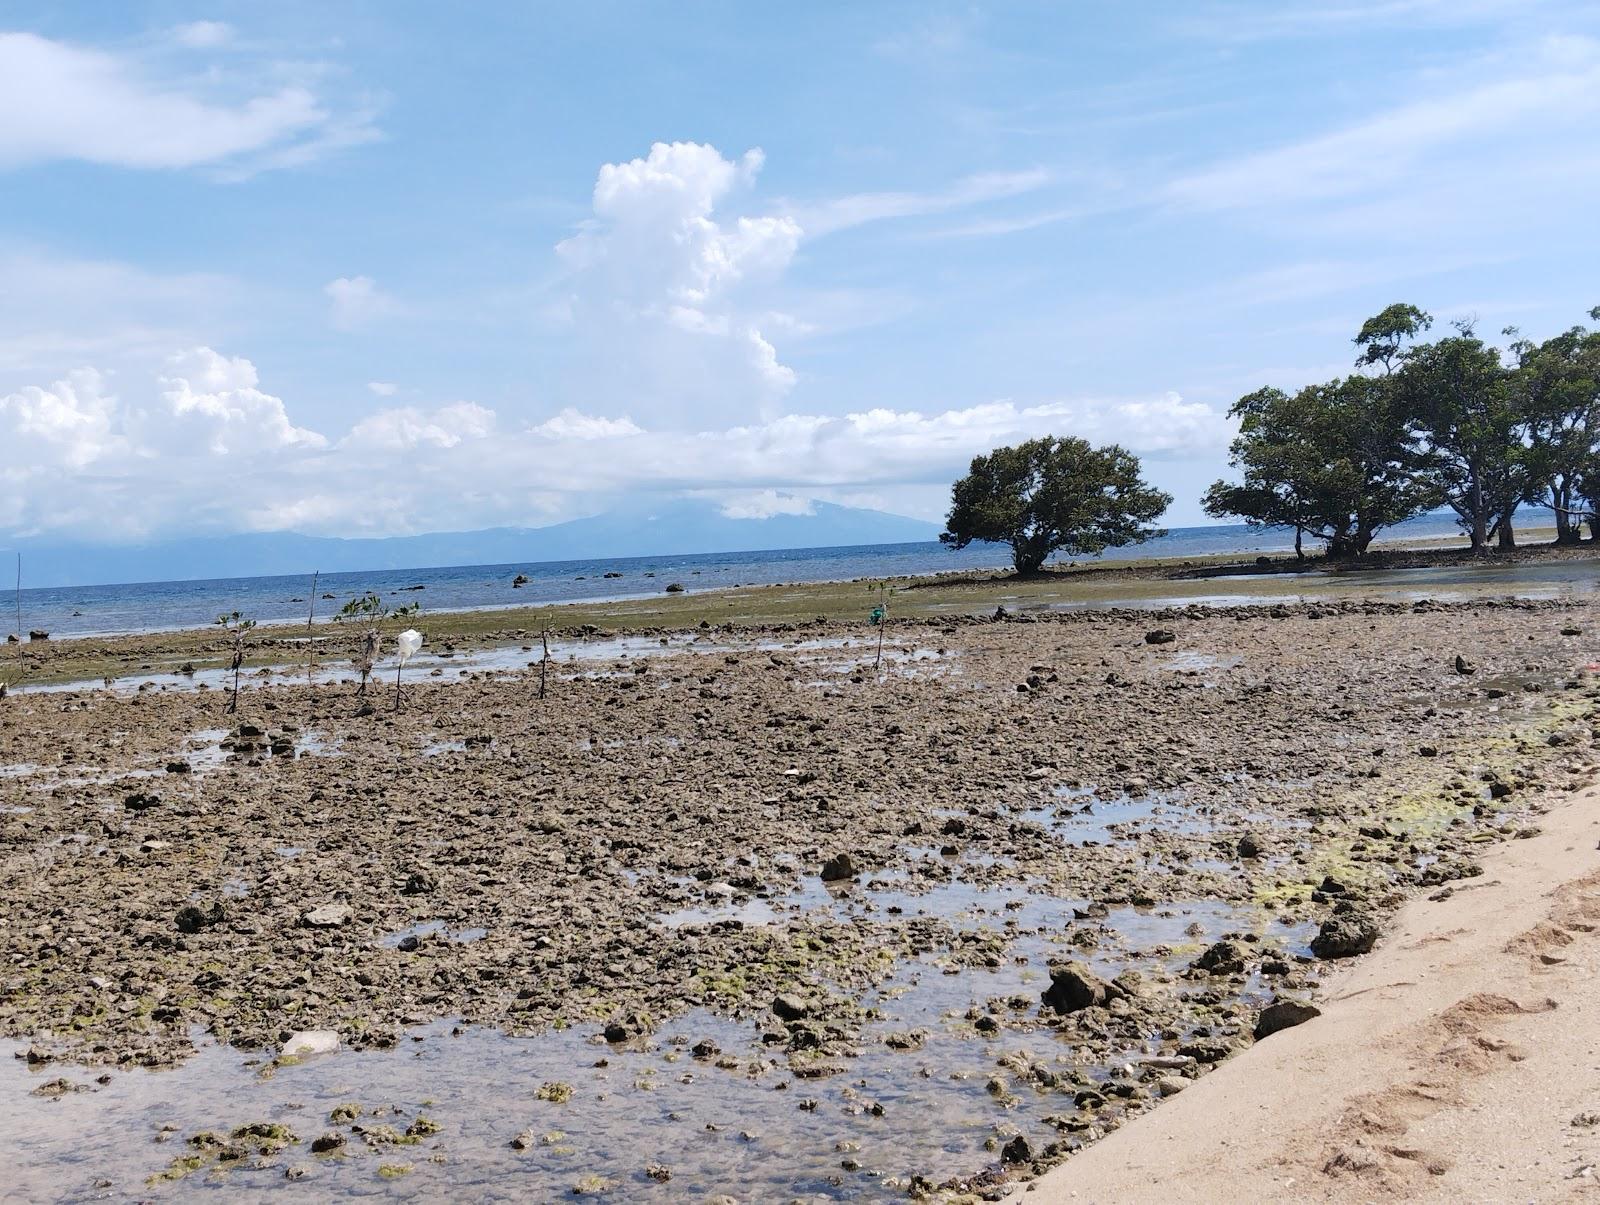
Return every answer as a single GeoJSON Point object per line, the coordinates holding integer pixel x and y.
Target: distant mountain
{"type": "Point", "coordinates": [671, 529]}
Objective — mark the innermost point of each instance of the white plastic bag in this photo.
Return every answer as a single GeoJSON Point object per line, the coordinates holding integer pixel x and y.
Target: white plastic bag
{"type": "Point", "coordinates": [409, 641]}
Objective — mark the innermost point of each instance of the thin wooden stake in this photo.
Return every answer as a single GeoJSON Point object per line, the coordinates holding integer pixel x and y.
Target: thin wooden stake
{"type": "Point", "coordinates": [19, 619]}
{"type": "Point", "coordinates": [311, 638]}
{"type": "Point", "coordinates": [544, 663]}
{"type": "Point", "coordinates": [877, 666]}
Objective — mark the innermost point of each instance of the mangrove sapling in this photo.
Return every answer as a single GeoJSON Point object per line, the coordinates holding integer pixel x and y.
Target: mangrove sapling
{"type": "Point", "coordinates": [544, 662]}
{"type": "Point", "coordinates": [368, 614]}
{"type": "Point", "coordinates": [236, 625]}
{"type": "Point", "coordinates": [880, 620]}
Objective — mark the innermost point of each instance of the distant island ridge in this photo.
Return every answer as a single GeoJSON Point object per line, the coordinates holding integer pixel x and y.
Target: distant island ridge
{"type": "Point", "coordinates": [678, 529]}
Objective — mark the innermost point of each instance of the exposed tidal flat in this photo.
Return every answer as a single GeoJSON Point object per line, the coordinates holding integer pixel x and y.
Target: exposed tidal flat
{"type": "Point", "coordinates": [734, 910]}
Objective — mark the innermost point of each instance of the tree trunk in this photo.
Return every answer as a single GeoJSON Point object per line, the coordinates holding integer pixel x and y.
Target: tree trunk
{"type": "Point", "coordinates": [1026, 559]}
{"type": "Point", "coordinates": [1480, 532]}
{"type": "Point", "coordinates": [1567, 532]}
{"type": "Point", "coordinates": [1480, 518]}
{"type": "Point", "coordinates": [1508, 538]}
{"type": "Point", "coordinates": [1299, 549]}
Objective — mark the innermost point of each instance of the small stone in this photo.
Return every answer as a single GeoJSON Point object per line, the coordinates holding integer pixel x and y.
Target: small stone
{"type": "Point", "coordinates": [1159, 636]}
{"type": "Point", "coordinates": [311, 1041]}
{"type": "Point", "coordinates": [1463, 666]}
{"type": "Point", "coordinates": [329, 916]}
{"type": "Point", "coordinates": [331, 1141]}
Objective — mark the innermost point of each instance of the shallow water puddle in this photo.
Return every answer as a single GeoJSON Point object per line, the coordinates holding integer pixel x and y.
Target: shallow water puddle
{"type": "Point", "coordinates": [738, 1129]}
{"type": "Point", "coordinates": [929, 1093]}
{"type": "Point", "coordinates": [1122, 819]}
{"type": "Point", "coordinates": [433, 928]}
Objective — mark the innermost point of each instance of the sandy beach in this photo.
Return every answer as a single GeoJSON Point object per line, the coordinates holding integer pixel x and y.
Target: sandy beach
{"type": "Point", "coordinates": [1460, 1061]}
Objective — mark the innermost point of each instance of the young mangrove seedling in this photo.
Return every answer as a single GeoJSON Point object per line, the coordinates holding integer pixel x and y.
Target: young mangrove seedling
{"type": "Point", "coordinates": [236, 625]}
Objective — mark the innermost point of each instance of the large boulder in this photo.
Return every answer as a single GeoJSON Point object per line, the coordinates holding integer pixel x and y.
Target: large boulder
{"type": "Point", "coordinates": [1284, 1014]}
{"type": "Point", "coordinates": [1073, 987]}
{"type": "Point", "coordinates": [1345, 934]}
{"type": "Point", "coordinates": [1226, 957]}
{"type": "Point", "coordinates": [839, 868]}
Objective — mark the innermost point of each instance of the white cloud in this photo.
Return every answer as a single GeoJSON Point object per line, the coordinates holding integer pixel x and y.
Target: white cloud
{"type": "Point", "coordinates": [764, 504]}
{"type": "Point", "coordinates": [62, 426]}
{"type": "Point", "coordinates": [357, 301]}
{"type": "Point", "coordinates": [861, 208]}
{"type": "Point", "coordinates": [61, 101]}
{"type": "Point", "coordinates": [678, 299]}
{"type": "Point", "coordinates": [406, 428]}
{"type": "Point", "coordinates": [203, 35]}
{"type": "Point", "coordinates": [214, 397]}
{"type": "Point", "coordinates": [383, 388]}
{"type": "Point", "coordinates": [206, 448]}
{"type": "Point", "coordinates": [666, 291]}
{"type": "Point", "coordinates": [570, 424]}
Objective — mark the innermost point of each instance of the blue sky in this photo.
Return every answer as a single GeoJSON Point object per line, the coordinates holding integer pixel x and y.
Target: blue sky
{"type": "Point", "coordinates": [373, 268]}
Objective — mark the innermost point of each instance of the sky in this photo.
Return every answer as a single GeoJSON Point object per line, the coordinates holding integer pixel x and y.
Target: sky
{"type": "Point", "coordinates": [387, 266]}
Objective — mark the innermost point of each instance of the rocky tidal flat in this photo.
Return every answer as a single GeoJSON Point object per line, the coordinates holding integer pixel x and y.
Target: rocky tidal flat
{"type": "Point", "coordinates": [730, 912]}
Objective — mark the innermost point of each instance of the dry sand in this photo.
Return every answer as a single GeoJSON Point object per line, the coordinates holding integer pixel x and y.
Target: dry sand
{"type": "Point", "coordinates": [1460, 1061]}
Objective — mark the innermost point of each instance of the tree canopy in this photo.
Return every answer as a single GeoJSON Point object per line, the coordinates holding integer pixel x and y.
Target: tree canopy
{"type": "Point", "coordinates": [1053, 495]}
{"type": "Point", "coordinates": [1450, 422]}
{"type": "Point", "coordinates": [1337, 462]}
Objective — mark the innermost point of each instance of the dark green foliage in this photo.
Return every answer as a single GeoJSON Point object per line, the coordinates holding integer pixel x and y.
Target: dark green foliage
{"type": "Point", "coordinates": [1337, 462]}
{"type": "Point", "coordinates": [1447, 422]}
{"type": "Point", "coordinates": [1459, 392]}
{"type": "Point", "coordinates": [1053, 495]}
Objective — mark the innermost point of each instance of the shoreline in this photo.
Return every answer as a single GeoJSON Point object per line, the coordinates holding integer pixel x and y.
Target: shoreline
{"type": "Point", "coordinates": [1446, 548]}
{"type": "Point", "coordinates": [1134, 585]}
{"type": "Point", "coordinates": [1457, 1062]}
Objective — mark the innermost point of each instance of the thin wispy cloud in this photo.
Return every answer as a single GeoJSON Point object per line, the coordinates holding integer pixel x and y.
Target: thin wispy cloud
{"type": "Point", "coordinates": [65, 101]}
{"type": "Point", "coordinates": [1553, 91]}
{"type": "Point", "coordinates": [858, 209]}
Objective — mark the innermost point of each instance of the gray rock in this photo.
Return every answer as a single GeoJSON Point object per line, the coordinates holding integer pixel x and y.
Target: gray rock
{"type": "Point", "coordinates": [1284, 1014]}
{"type": "Point", "coordinates": [329, 916]}
{"type": "Point", "coordinates": [1222, 958]}
{"type": "Point", "coordinates": [790, 1007]}
{"type": "Point", "coordinates": [839, 867]}
{"type": "Point", "coordinates": [1074, 987]}
{"type": "Point", "coordinates": [1345, 935]}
